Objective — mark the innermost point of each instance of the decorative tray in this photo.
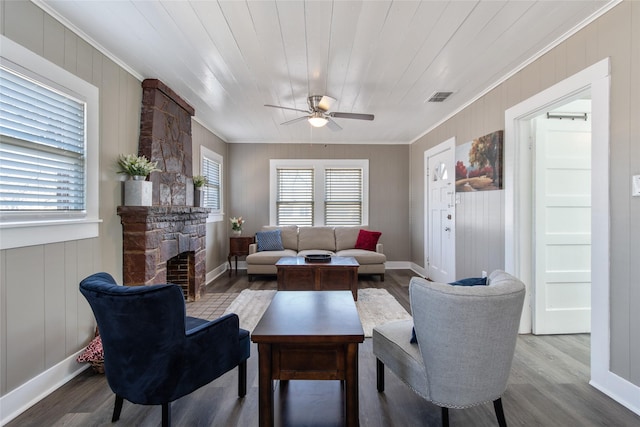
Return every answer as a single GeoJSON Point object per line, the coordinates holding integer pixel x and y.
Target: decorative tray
{"type": "Point", "coordinates": [318, 258]}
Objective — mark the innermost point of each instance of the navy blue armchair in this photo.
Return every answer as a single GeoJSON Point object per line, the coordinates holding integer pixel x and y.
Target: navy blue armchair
{"type": "Point", "coordinates": [154, 353]}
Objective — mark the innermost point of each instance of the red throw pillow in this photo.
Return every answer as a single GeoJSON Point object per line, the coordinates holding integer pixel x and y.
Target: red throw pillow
{"type": "Point", "coordinates": [367, 240]}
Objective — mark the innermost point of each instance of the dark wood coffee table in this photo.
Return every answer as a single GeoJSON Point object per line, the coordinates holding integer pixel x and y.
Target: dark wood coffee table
{"type": "Point", "coordinates": [297, 274]}
{"type": "Point", "coordinates": [309, 335]}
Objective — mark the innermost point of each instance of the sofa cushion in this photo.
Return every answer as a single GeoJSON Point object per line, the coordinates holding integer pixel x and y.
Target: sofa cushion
{"type": "Point", "coordinates": [268, 257]}
{"type": "Point", "coordinates": [364, 257]}
{"type": "Point", "coordinates": [346, 237]}
{"type": "Point", "coordinates": [288, 234]}
{"type": "Point", "coordinates": [367, 240]}
{"type": "Point", "coordinates": [316, 238]}
{"type": "Point", "coordinates": [269, 241]}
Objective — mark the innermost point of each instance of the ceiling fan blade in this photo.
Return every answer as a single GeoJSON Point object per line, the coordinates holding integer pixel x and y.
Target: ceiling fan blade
{"type": "Point", "coordinates": [357, 116]}
{"type": "Point", "coordinates": [286, 108]}
{"type": "Point", "coordinates": [326, 102]}
{"type": "Point", "coordinates": [331, 124]}
{"type": "Point", "coordinates": [298, 119]}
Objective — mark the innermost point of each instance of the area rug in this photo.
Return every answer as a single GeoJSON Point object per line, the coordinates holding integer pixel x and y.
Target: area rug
{"type": "Point", "coordinates": [375, 307]}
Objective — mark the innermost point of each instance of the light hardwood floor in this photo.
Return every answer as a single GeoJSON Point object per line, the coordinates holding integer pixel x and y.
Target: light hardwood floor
{"type": "Point", "coordinates": [548, 386]}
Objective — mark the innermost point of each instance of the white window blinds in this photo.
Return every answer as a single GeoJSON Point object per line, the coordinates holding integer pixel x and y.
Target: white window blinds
{"type": "Point", "coordinates": [42, 147]}
{"type": "Point", "coordinates": [343, 197]}
{"type": "Point", "coordinates": [294, 204]}
{"type": "Point", "coordinates": [212, 190]}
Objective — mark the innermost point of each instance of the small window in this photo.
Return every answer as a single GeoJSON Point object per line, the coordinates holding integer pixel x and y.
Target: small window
{"type": "Point", "coordinates": [42, 147]}
{"type": "Point", "coordinates": [295, 197]}
{"type": "Point", "coordinates": [343, 197]}
{"type": "Point", "coordinates": [211, 168]}
{"type": "Point", "coordinates": [49, 157]}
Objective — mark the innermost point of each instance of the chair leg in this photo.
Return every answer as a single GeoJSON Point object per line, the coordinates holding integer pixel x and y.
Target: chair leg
{"type": "Point", "coordinates": [497, 405]}
{"type": "Point", "coordinates": [117, 408]}
{"type": "Point", "coordinates": [242, 379]}
{"type": "Point", "coordinates": [380, 375]}
{"type": "Point", "coordinates": [445, 417]}
{"type": "Point", "coordinates": [166, 414]}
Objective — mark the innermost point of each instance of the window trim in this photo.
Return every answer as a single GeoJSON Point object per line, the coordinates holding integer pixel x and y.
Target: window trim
{"type": "Point", "coordinates": [214, 215]}
{"type": "Point", "coordinates": [29, 229]}
{"type": "Point", "coordinates": [319, 166]}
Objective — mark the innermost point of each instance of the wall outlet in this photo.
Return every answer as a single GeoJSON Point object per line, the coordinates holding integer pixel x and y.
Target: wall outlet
{"type": "Point", "coordinates": [484, 273]}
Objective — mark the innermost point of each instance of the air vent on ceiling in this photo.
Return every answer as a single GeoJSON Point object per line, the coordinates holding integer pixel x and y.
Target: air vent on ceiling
{"type": "Point", "coordinates": [439, 96]}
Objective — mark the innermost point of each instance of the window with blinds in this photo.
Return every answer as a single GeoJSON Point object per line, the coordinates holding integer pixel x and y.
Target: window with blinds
{"type": "Point", "coordinates": [212, 170]}
{"type": "Point", "coordinates": [42, 147]}
{"type": "Point", "coordinates": [343, 197]}
{"type": "Point", "coordinates": [294, 199]}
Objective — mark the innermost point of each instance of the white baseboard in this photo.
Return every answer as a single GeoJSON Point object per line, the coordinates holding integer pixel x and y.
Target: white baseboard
{"type": "Point", "coordinates": [617, 388]}
{"type": "Point", "coordinates": [28, 394]}
{"type": "Point", "coordinates": [215, 273]}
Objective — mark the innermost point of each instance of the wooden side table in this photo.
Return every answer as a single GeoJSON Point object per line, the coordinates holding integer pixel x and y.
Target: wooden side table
{"type": "Point", "coordinates": [238, 246]}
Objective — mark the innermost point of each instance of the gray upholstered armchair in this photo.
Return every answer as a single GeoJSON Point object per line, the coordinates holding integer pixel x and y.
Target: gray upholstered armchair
{"type": "Point", "coordinates": [466, 337]}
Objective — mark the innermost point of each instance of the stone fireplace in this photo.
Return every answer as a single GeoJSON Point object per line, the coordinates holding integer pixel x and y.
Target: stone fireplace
{"type": "Point", "coordinates": [165, 243]}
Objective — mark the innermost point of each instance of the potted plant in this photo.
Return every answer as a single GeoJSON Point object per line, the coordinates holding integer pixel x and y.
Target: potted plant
{"type": "Point", "coordinates": [236, 225]}
{"type": "Point", "coordinates": [199, 181]}
{"type": "Point", "coordinates": [137, 190]}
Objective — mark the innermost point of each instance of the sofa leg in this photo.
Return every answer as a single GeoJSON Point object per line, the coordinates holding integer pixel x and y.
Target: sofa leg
{"type": "Point", "coordinates": [445, 417]}
{"type": "Point", "coordinates": [117, 408]}
{"type": "Point", "coordinates": [242, 379]}
{"type": "Point", "coordinates": [250, 276]}
{"type": "Point", "coordinates": [166, 414]}
{"type": "Point", "coordinates": [382, 277]}
{"type": "Point", "coordinates": [380, 375]}
{"type": "Point", "coordinates": [497, 405]}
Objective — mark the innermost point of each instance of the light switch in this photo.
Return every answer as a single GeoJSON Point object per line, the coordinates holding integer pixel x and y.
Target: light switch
{"type": "Point", "coordinates": [635, 186]}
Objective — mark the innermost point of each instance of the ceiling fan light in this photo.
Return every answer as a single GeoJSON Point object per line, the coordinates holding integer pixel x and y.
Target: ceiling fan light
{"type": "Point", "coordinates": [317, 121]}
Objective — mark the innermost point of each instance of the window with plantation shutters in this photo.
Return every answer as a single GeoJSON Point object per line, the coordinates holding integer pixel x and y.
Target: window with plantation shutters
{"type": "Point", "coordinates": [49, 154]}
{"type": "Point", "coordinates": [42, 147]}
{"type": "Point", "coordinates": [294, 204]}
{"type": "Point", "coordinates": [314, 192]}
{"type": "Point", "coordinates": [211, 165]}
{"type": "Point", "coordinates": [211, 169]}
{"type": "Point", "coordinates": [343, 197]}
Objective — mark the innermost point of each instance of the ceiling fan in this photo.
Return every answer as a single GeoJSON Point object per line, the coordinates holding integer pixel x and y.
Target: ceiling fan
{"type": "Point", "coordinates": [319, 115]}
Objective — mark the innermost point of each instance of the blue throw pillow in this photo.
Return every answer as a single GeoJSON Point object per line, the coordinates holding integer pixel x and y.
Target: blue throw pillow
{"type": "Point", "coordinates": [269, 241]}
{"type": "Point", "coordinates": [471, 281]}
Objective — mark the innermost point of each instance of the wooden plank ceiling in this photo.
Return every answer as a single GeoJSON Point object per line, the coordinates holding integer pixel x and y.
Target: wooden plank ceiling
{"type": "Point", "coordinates": [229, 58]}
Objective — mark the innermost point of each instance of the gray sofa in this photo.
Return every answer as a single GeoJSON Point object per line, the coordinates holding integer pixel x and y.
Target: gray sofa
{"type": "Point", "coordinates": [301, 241]}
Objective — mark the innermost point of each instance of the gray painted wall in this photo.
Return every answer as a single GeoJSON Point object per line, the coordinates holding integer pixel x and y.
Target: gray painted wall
{"type": "Point", "coordinates": [217, 232]}
{"type": "Point", "coordinates": [615, 35]}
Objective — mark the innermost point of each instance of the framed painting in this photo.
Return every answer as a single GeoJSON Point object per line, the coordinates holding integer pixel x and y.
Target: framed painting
{"type": "Point", "coordinates": [479, 163]}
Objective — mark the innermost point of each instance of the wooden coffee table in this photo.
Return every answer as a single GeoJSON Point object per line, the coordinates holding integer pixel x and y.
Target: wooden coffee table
{"type": "Point", "coordinates": [297, 274]}
{"type": "Point", "coordinates": [309, 335]}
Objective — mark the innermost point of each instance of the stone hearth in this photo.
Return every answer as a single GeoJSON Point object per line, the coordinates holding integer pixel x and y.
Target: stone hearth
{"type": "Point", "coordinates": [165, 243]}
{"type": "Point", "coordinates": [152, 235]}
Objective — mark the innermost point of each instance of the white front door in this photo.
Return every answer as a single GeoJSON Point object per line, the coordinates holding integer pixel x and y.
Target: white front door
{"type": "Point", "coordinates": [562, 295]}
{"type": "Point", "coordinates": [439, 199]}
